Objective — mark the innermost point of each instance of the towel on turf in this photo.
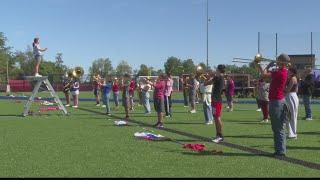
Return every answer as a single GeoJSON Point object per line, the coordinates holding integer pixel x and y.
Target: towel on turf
{"type": "Point", "coordinates": [121, 123]}
{"type": "Point", "coordinates": [196, 147]}
{"type": "Point", "coordinates": [148, 136]}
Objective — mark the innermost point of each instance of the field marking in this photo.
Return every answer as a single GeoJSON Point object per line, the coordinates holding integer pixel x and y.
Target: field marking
{"type": "Point", "coordinates": [257, 152]}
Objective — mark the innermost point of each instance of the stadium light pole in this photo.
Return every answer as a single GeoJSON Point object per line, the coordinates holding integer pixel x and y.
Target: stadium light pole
{"type": "Point", "coordinates": [208, 33]}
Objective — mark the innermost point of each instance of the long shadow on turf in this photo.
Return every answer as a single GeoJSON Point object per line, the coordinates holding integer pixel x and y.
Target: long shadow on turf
{"type": "Point", "coordinates": [182, 123]}
{"type": "Point", "coordinates": [208, 153]}
{"type": "Point", "coordinates": [10, 115]}
{"type": "Point", "coordinates": [309, 133]}
{"type": "Point", "coordinates": [303, 148]}
{"type": "Point", "coordinates": [252, 137]}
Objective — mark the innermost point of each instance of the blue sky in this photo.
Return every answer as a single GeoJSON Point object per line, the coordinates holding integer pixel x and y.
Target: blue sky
{"type": "Point", "coordinates": [149, 31]}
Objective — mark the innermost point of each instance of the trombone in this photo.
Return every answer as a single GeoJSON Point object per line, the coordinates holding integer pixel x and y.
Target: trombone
{"type": "Point", "coordinates": [257, 59]}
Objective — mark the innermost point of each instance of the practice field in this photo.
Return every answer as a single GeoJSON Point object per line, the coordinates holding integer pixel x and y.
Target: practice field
{"type": "Point", "coordinates": [88, 144]}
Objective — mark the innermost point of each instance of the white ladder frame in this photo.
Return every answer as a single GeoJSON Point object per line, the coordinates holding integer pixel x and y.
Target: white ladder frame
{"type": "Point", "coordinates": [35, 91]}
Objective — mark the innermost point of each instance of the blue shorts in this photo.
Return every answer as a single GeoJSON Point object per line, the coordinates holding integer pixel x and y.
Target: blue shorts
{"type": "Point", "coordinates": [38, 58]}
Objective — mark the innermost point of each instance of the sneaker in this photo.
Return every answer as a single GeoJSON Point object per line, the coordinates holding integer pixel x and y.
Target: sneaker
{"type": "Point", "coordinates": [97, 104]}
{"type": "Point", "coordinates": [210, 122]}
{"type": "Point", "coordinates": [193, 111]}
{"type": "Point", "coordinates": [108, 114]}
{"type": "Point", "coordinates": [37, 75]}
{"type": "Point", "coordinates": [308, 119]}
{"type": "Point", "coordinates": [227, 107]}
{"type": "Point", "coordinates": [103, 106]}
{"type": "Point", "coordinates": [264, 121]}
{"type": "Point", "coordinates": [75, 106]}
{"type": "Point", "coordinates": [185, 106]}
{"type": "Point", "coordinates": [231, 110]}
{"type": "Point", "coordinates": [67, 105]}
{"type": "Point", "coordinates": [160, 125]}
{"type": "Point", "coordinates": [147, 113]}
{"type": "Point", "coordinates": [258, 110]}
{"type": "Point", "coordinates": [292, 137]}
{"type": "Point", "coordinates": [218, 139]}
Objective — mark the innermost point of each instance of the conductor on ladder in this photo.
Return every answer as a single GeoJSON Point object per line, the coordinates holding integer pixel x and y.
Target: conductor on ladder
{"type": "Point", "coordinates": [37, 53]}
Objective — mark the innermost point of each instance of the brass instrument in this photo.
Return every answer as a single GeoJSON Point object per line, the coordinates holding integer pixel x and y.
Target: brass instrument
{"type": "Point", "coordinates": [257, 60]}
{"type": "Point", "coordinates": [200, 72]}
{"type": "Point", "coordinates": [77, 72]}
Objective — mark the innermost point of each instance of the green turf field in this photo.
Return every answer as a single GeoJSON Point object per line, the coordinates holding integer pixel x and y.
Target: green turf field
{"type": "Point", "coordinates": [88, 144]}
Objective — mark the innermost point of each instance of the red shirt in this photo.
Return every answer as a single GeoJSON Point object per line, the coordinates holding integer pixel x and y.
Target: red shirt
{"type": "Point", "coordinates": [115, 87]}
{"type": "Point", "coordinates": [132, 87]}
{"type": "Point", "coordinates": [96, 85]}
{"type": "Point", "coordinates": [278, 84]}
{"type": "Point", "coordinates": [159, 89]}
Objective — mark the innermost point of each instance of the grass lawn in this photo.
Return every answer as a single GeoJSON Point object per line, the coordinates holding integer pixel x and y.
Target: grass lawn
{"type": "Point", "coordinates": [88, 144]}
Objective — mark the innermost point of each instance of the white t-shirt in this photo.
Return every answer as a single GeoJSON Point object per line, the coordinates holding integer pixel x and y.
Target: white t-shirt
{"type": "Point", "coordinates": [36, 50]}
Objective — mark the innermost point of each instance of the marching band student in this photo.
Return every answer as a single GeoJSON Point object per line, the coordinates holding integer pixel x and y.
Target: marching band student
{"type": "Point", "coordinates": [158, 98]}
{"type": "Point", "coordinates": [306, 92]}
{"type": "Point", "coordinates": [37, 53]}
{"type": "Point", "coordinates": [74, 90]}
{"type": "Point", "coordinates": [263, 98]}
{"type": "Point", "coordinates": [167, 95]}
{"type": "Point", "coordinates": [218, 85]}
{"type": "Point", "coordinates": [206, 100]}
{"type": "Point", "coordinates": [125, 93]}
{"type": "Point", "coordinates": [116, 90]}
{"type": "Point", "coordinates": [229, 92]}
{"type": "Point", "coordinates": [145, 87]}
{"type": "Point", "coordinates": [97, 88]}
{"type": "Point", "coordinates": [277, 101]}
{"type": "Point", "coordinates": [293, 102]}
{"type": "Point", "coordinates": [132, 87]}
{"type": "Point", "coordinates": [106, 89]}
{"type": "Point", "coordinates": [192, 93]}
{"type": "Point", "coordinates": [184, 80]}
{"type": "Point", "coordinates": [66, 90]}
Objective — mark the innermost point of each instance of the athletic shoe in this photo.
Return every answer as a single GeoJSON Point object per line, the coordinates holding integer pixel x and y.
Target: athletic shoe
{"type": "Point", "coordinates": [292, 137]}
{"type": "Point", "coordinates": [308, 119]}
{"type": "Point", "coordinates": [231, 110]}
{"type": "Point", "coordinates": [218, 139]}
{"type": "Point", "coordinates": [75, 106]}
{"type": "Point", "coordinates": [108, 114]}
{"type": "Point", "coordinates": [264, 121]}
{"type": "Point", "coordinates": [103, 106]}
{"type": "Point", "coordinates": [67, 105]}
{"type": "Point", "coordinates": [185, 106]}
{"type": "Point", "coordinates": [258, 110]}
{"type": "Point", "coordinates": [160, 125]}
{"type": "Point", "coordinates": [147, 113]}
{"type": "Point", "coordinates": [210, 122]}
{"type": "Point", "coordinates": [227, 107]}
{"type": "Point", "coordinates": [37, 75]}
{"type": "Point", "coordinates": [193, 111]}
{"type": "Point", "coordinates": [97, 104]}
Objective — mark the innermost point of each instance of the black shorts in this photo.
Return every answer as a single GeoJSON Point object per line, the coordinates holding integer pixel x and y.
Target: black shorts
{"type": "Point", "coordinates": [96, 92]}
{"type": "Point", "coordinates": [159, 105]}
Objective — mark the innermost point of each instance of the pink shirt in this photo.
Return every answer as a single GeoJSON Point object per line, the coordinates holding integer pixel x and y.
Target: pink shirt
{"type": "Point", "coordinates": [278, 84]}
{"type": "Point", "coordinates": [159, 89]}
{"type": "Point", "coordinates": [168, 89]}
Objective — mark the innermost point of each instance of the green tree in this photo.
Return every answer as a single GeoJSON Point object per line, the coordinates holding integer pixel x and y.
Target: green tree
{"type": "Point", "coordinates": [174, 66]}
{"type": "Point", "coordinates": [5, 57]}
{"type": "Point", "coordinates": [102, 66]}
{"type": "Point", "coordinates": [122, 68]}
{"type": "Point", "coordinates": [59, 60]}
{"type": "Point", "coordinates": [188, 66]}
{"type": "Point", "coordinates": [145, 70]}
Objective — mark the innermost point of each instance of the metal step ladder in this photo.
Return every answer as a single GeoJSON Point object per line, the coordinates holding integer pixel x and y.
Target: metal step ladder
{"type": "Point", "coordinates": [35, 91]}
